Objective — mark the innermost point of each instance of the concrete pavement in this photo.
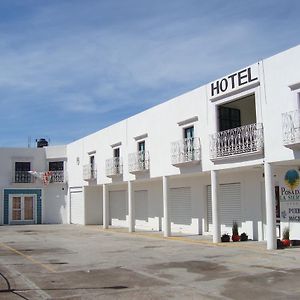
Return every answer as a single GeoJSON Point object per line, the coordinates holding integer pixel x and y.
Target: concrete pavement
{"type": "Point", "coordinates": [87, 262]}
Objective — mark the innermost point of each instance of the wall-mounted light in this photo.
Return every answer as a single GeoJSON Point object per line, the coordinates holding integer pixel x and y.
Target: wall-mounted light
{"type": "Point", "coordinates": [78, 160]}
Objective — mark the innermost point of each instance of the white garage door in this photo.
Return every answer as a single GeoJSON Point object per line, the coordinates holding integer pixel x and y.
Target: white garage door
{"type": "Point", "coordinates": [141, 210]}
{"type": "Point", "coordinates": [118, 208]}
{"type": "Point", "coordinates": [181, 210]}
{"type": "Point", "coordinates": [76, 207]}
{"type": "Point", "coordinates": [229, 206]}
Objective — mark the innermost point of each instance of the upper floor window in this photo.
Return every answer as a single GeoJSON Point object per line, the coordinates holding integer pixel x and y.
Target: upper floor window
{"type": "Point", "coordinates": [92, 162]}
{"type": "Point", "coordinates": [229, 118]}
{"type": "Point", "coordinates": [141, 146]}
{"type": "Point", "coordinates": [188, 132]}
{"type": "Point", "coordinates": [237, 113]}
{"type": "Point", "coordinates": [57, 171]}
{"type": "Point", "coordinates": [21, 172]}
{"type": "Point", "coordinates": [117, 153]}
{"type": "Point", "coordinates": [56, 166]}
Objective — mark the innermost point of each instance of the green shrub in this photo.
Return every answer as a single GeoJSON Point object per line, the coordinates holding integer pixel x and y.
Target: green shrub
{"type": "Point", "coordinates": [286, 233]}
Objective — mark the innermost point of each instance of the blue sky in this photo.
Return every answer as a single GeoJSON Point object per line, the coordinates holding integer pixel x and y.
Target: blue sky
{"type": "Point", "coordinates": [70, 68]}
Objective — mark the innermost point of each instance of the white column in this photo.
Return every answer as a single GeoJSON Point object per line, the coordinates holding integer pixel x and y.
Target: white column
{"type": "Point", "coordinates": [270, 208]}
{"type": "Point", "coordinates": [131, 209]}
{"type": "Point", "coordinates": [105, 202]}
{"type": "Point", "coordinates": [214, 205]}
{"type": "Point", "coordinates": [167, 223]}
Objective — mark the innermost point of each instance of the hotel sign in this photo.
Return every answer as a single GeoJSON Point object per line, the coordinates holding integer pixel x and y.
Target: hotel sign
{"type": "Point", "coordinates": [233, 82]}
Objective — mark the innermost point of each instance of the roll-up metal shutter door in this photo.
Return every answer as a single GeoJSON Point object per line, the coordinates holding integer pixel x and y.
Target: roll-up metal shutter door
{"type": "Point", "coordinates": [209, 209]}
{"type": "Point", "coordinates": [229, 205]}
{"type": "Point", "coordinates": [141, 209]}
{"type": "Point", "coordinates": [118, 208]}
{"type": "Point", "coordinates": [76, 207]}
{"type": "Point", "coordinates": [181, 208]}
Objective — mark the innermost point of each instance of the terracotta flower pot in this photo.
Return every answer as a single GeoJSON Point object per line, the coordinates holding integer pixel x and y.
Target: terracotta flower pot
{"type": "Point", "coordinates": [286, 243]}
{"type": "Point", "coordinates": [235, 238]}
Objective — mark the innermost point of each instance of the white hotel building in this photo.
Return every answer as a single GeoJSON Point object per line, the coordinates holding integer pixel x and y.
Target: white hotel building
{"type": "Point", "coordinates": [194, 164]}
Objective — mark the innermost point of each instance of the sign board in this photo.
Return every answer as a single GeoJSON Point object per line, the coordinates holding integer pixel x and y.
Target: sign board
{"type": "Point", "coordinates": [289, 193]}
{"type": "Point", "coordinates": [234, 82]}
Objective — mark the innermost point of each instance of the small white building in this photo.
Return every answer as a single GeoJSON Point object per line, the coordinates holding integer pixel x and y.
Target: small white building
{"type": "Point", "coordinates": [227, 151]}
{"type": "Point", "coordinates": [25, 198]}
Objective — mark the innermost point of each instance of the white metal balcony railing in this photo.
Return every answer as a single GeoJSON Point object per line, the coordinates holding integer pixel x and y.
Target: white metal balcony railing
{"type": "Point", "coordinates": [57, 176]}
{"type": "Point", "coordinates": [246, 139]}
{"type": "Point", "coordinates": [138, 162]}
{"type": "Point", "coordinates": [113, 167]}
{"type": "Point", "coordinates": [291, 127]}
{"type": "Point", "coordinates": [185, 151]}
{"type": "Point", "coordinates": [89, 172]}
{"type": "Point", "coordinates": [23, 177]}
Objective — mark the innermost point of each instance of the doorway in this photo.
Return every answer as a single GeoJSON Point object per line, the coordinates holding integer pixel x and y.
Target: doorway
{"type": "Point", "coordinates": [22, 209]}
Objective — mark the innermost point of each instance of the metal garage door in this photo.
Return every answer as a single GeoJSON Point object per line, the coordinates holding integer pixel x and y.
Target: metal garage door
{"type": "Point", "coordinates": [181, 209]}
{"type": "Point", "coordinates": [229, 206]}
{"type": "Point", "coordinates": [118, 208]}
{"type": "Point", "coordinates": [76, 207]}
{"type": "Point", "coordinates": [141, 209]}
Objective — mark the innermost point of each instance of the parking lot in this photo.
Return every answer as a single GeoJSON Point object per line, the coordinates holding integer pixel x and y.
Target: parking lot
{"type": "Point", "coordinates": [78, 262]}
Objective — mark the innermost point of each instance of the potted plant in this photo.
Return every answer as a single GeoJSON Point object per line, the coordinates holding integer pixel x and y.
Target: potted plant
{"type": "Point", "coordinates": [286, 237]}
{"type": "Point", "coordinates": [244, 237]}
{"type": "Point", "coordinates": [235, 232]}
{"type": "Point", "coordinates": [225, 238]}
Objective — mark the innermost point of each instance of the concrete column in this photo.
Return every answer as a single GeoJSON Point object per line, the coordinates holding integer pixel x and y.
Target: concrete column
{"type": "Point", "coordinates": [131, 209]}
{"type": "Point", "coordinates": [167, 223]}
{"type": "Point", "coordinates": [214, 205]}
{"type": "Point", "coordinates": [105, 202]}
{"type": "Point", "coordinates": [270, 208]}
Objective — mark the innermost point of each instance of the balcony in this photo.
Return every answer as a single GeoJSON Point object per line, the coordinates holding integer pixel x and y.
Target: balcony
{"type": "Point", "coordinates": [138, 162]}
{"type": "Point", "coordinates": [291, 129]}
{"type": "Point", "coordinates": [185, 152]}
{"type": "Point", "coordinates": [235, 142]}
{"type": "Point", "coordinates": [57, 176]}
{"type": "Point", "coordinates": [113, 167]}
{"type": "Point", "coordinates": [23, 177]}
{"type": "Point", "coordinates": [89, 172]}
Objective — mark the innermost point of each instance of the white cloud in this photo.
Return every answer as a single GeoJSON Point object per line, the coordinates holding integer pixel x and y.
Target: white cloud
{"type": "Point", "coordinates": [71, 58]}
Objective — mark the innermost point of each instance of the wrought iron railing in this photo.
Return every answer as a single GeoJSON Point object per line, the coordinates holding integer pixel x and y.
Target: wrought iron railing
{"type": "Point", "coordinates": [186, 150]}
{"type": "Point", "coordinates": [246, 139]}
{"type": "Point", "coordinates": [291, 127]}
{"type": "Point", "coordinates": [23, 177]}
{"type": "Point", "coordinates": [57, 176]}
{"type": "Point", "coordinates": [114, 166]}
{"type": "Point", "coordinates": [89, 172]}
{"type": "Point", "coordinates": [138, 161]}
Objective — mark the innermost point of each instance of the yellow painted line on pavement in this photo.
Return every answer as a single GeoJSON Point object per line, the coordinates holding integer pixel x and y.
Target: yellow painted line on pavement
{"type": "Point", "coordinates": [242, 245]}
{"type": "Point", "coordinates": [28, 257]}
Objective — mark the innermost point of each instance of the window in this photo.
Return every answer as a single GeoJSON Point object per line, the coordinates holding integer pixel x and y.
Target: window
{"type": "Point", "coordinates": [57, 171]}
{"type": "Point", "coordinates": [141, 154]}
{"type": "Point", "coordinates": [21, 172]}
{"type": "Point", "coordinates": [229, 118]}
{"type": "Point", "coordinates": [116, 152]}
{"type": "Point", "coordinates": [141, 146]}
{"type": "Point", "coordinates": [188, 143]}
{"type": "Point", "coordinates": [116, 160]}
{"type": "Point", "coordinates": [188, 132]}
{"type": "Point", "coordinates": [92, 165]}
{"type": "Point", "coordinates": [56, 166]}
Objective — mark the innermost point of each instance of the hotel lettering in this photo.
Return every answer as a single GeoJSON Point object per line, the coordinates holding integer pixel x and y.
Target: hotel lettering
{"type": "Point", "coordinates": [233, 81]}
